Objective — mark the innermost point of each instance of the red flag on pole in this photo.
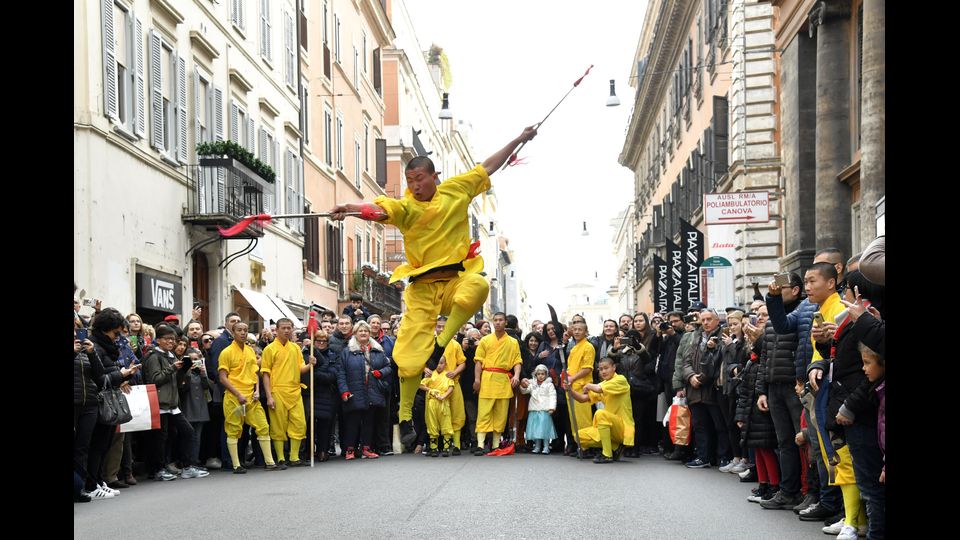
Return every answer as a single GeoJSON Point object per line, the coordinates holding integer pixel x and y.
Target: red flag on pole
{"type": "Point", "coordinates": [243, 224]}
{"type": "Point", "coordinates": [577, 83]}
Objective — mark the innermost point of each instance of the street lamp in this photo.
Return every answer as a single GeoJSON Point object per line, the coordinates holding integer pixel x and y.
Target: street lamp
{"type": "Point", "coordinates": [445, 108]}
{"type": "Point", "coordinates": [585, 233]}
{"type": "Point", "coordinates": [613, 100]}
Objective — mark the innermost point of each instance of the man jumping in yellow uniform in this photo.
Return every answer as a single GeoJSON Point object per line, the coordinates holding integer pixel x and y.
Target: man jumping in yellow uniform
{"type": "Point", "coordinates": [241, 399]}
{"type": "Point", "coordinates": [281, 367]}
{"type": "Point", "coordinates": [613, 424]}
{"type": "Point", "coordinates": [444, 272]}
{"type": "Point", "coordinates": [497, 354]}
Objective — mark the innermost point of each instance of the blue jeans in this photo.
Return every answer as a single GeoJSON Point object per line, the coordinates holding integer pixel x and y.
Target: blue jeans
{"type": "Point", "coordinates": [867, 464]}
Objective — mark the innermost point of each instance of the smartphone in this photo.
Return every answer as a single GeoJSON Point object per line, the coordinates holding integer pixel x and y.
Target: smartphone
{"type": "Point", "coordinates": [133, 341]}
{"type": "Point", "coordinates": [90, 302]}
{"type": "Point", "coordinates": [725, 331]}
{"type": "Point", "coordinates": [753, 320]}
{"type": "Point", "coordinates": [817, 318]}
{"type": "Point", "coordinates": [81, 334]}
{"type": "Point", "coordinates": [194, 345]}
{"type": "Point", "coordinates": [782, 280]}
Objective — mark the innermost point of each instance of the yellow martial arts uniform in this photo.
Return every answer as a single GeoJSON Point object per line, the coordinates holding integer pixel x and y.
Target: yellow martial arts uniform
{"type": "Point", "coordinates": [455, 358]}
{"type": "Point", "coordinates": [499, 354]}
{"type": "Point", "coordinates": [435, 233]}
{"type": "Point", "coordinates": [582, 356]}
{"type": "Point", "coordinates": [830, 308]}
{"type": "Point", "coordinates": [613, 424]}
{"type": "Point", "coordinates": [283, 363]}
{"type": "Point", "coordinates": [241, 368]}
{"type": "Point", "coordinates": [438, 414]}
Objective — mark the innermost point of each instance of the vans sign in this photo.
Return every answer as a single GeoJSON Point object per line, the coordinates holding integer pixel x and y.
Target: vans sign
{"type": "Point", "coordinates": [159, 293]}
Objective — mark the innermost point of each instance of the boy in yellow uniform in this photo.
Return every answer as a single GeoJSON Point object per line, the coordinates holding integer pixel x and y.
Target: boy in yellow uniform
{"type": "Point", "coordinates": [444, 271]}
{"type": "Point", "coordinates": [281, 367]}
{"type": "Point", "coordinates": [613, 424]}
{"type": "Point", "coordinates": [456, 362]}
{"type": "Point", "coordinates": [580, 371]}
{"type": "Point", "coordinates": [241, 399]}
{"type": "Point", "coordinates": [439, 387]}
{"type": "Point", "coordinates": [497, 354]}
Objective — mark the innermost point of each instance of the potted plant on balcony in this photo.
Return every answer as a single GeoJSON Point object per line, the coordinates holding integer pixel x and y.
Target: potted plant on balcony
{"type": "Point", "coordinates": [232, 150]}
{"type": "Point", "coordinates": [356, 281]}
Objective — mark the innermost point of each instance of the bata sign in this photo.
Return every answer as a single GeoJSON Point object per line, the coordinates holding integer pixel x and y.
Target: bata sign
{"type": "Point", "coordinates": [742, 207]}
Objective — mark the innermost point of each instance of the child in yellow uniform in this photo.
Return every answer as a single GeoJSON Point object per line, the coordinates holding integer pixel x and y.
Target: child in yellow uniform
{"type": "Point", "coordinates": [613, 424]}
{"type": "Point", "coordinates": [496, 354]}
{"type": "Point", "coordinates": [439, 387]}
{"type": "Point", "coordinates": [456, 361]}
{"type": "Point", "coordinates": [241, 399]}
{"type": "Point", "coordinates": [282, 366]}
{"type": "Point", "coordinates": [580, 371]}
{"type": "Point", "coordinates": [444, 271]}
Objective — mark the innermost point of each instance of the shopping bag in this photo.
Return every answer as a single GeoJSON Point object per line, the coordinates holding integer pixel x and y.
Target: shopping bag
{"type": "Point", "coordinates": [144, 407]}
{"type": "Point", "coordinates": [680, 422]}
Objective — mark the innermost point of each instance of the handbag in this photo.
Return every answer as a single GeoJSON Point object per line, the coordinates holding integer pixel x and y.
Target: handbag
{"type": "Point", "coordinates": [680, 422]}
{"type": "Point", "coordinates": [112, 408]}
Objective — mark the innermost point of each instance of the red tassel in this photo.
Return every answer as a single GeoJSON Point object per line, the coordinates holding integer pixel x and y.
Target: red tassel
{"type": "Point", "coordinates": [584, 75]}
{"type": "Point", "coordinates": [474, 250]}
{"type": "Point", "coordinates": [312, 324]}
{"type": "Point", "coordinates": [244, 223]}
{"type": "Point", "coordinates": [520, 161]}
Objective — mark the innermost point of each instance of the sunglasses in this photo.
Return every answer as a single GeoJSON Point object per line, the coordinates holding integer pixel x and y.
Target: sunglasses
{"type": "Point", "coordinates": [208, 340]}
{"type": "Point", "coordinates": [321, 341]}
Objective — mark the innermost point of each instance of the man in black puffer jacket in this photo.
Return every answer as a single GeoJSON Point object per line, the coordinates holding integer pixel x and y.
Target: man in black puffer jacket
{"type": "Point", "coordinates": [776, 382]}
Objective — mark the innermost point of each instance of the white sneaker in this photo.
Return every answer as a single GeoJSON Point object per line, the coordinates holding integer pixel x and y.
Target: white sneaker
{"type": "Point", "coordinates": [848, 532]}
{"type": "Point", "coordinates": [740, 466]}
{"type": "Point", "coordinates": [103, 486]}
{"type": "Point", "coordinates": [835, 528]}
{"type": "Point", "coordinates": [99, 494]}
{"type": "Point", "coordinates": [729, 466]}
{"type": "Point", "coordinates": [193, 472]}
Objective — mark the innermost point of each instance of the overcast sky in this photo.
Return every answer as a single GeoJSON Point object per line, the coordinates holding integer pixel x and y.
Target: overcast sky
{"type": "Point", "coordinates": [511, 61]}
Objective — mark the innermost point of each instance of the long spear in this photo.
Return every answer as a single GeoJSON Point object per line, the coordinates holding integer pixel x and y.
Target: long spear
{"type": "Point", "coordinates": [566, 383]}
{"type": "Point", "coordinates": [513, 158]}
{"type": "Point", "coordinates": [246, 221]}
{"type": "Point", "coordinates": [312, 330]}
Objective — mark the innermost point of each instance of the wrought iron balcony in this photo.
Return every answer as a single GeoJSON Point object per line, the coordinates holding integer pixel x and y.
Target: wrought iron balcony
{"type": "Point", "coordinates": [222, 191]}
{"type": "Point", "coordinates": [381, 297]}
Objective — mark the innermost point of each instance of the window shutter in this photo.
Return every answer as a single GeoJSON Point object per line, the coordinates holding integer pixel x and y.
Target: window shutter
{"type": "Point", "coordinates": [262, 145]}
{"type": "Point", "coordinates": [235, 12]}
{"type": "Point", "coordinates": [110, 107]}
{"type": "Point", "coordinates": [251, 145]}
{"type": "Point", "coordinates": [278, 183]}
{"type": "Point", "coordinates": [181, 110]}
{"type": "Point", "coordinates": [218, 135]}
{"type": "Point", "coordinates": [139, 101]}
{"type": "Point", "coordinates": [265, 28]}
{"type": "Point", "coordinates": [156, 95]}
{"type": "Point", "coordinates": [197, 137]}
{"type": "Point", "coordinates": [234, 122]}
{"type": "Point", "coordinates": [376, 71]}
{"type": "Point", "coordinates": [301, 223]}
{"type": "Point", "coordinates": [240, 16]}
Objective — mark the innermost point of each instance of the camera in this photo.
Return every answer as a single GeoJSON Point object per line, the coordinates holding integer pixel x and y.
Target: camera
{"type": "Point", "coordinates": [691, 319]}
{"type": "Point", "coordinates": [664, 326]}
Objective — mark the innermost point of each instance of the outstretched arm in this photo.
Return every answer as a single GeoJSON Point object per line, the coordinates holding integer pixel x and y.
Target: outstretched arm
{"type": "Point", "coordinates": [368, 211]}
{"type": "Point", "coordinates": [493, 163]}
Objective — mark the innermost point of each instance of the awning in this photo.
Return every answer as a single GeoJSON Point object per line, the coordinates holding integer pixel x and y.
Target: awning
{"type": "Point", "coordinates": [297, 323]}
{"type": "Point", "coordinates": [269, 307]}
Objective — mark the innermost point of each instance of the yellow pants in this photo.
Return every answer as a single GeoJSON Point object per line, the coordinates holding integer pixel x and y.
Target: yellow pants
{"type": "Point", "coordinates": [287, 419]}
{"type": "Point", "coordinates": [459, 298]}
{"type": "Point", "coordinates": [233, 422]}
{"type": "Point", "coordinates": [438, 417]}
{"type": "Point", "coordinates": [583, 412]}
{"type": "Point", "coordinates": [492, 415]}
{"type": "Point", "coordinates": [605, 425]}
{"type": "Point", "coordinates": [457, 416]}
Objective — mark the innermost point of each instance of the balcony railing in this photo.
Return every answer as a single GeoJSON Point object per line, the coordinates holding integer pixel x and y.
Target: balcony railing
{"type": "Point", "coordinates": [382, 297]}
{"type": "Point", "coordinates": [222, 191]}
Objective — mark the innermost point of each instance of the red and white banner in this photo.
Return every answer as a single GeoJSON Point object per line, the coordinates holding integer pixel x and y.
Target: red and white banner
{"type": "Point", "coordinates": [145, 408]}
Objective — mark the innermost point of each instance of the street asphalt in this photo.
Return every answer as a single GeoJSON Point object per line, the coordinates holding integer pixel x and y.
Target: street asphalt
{"type": "Point", "coordinates": [411, 496]}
